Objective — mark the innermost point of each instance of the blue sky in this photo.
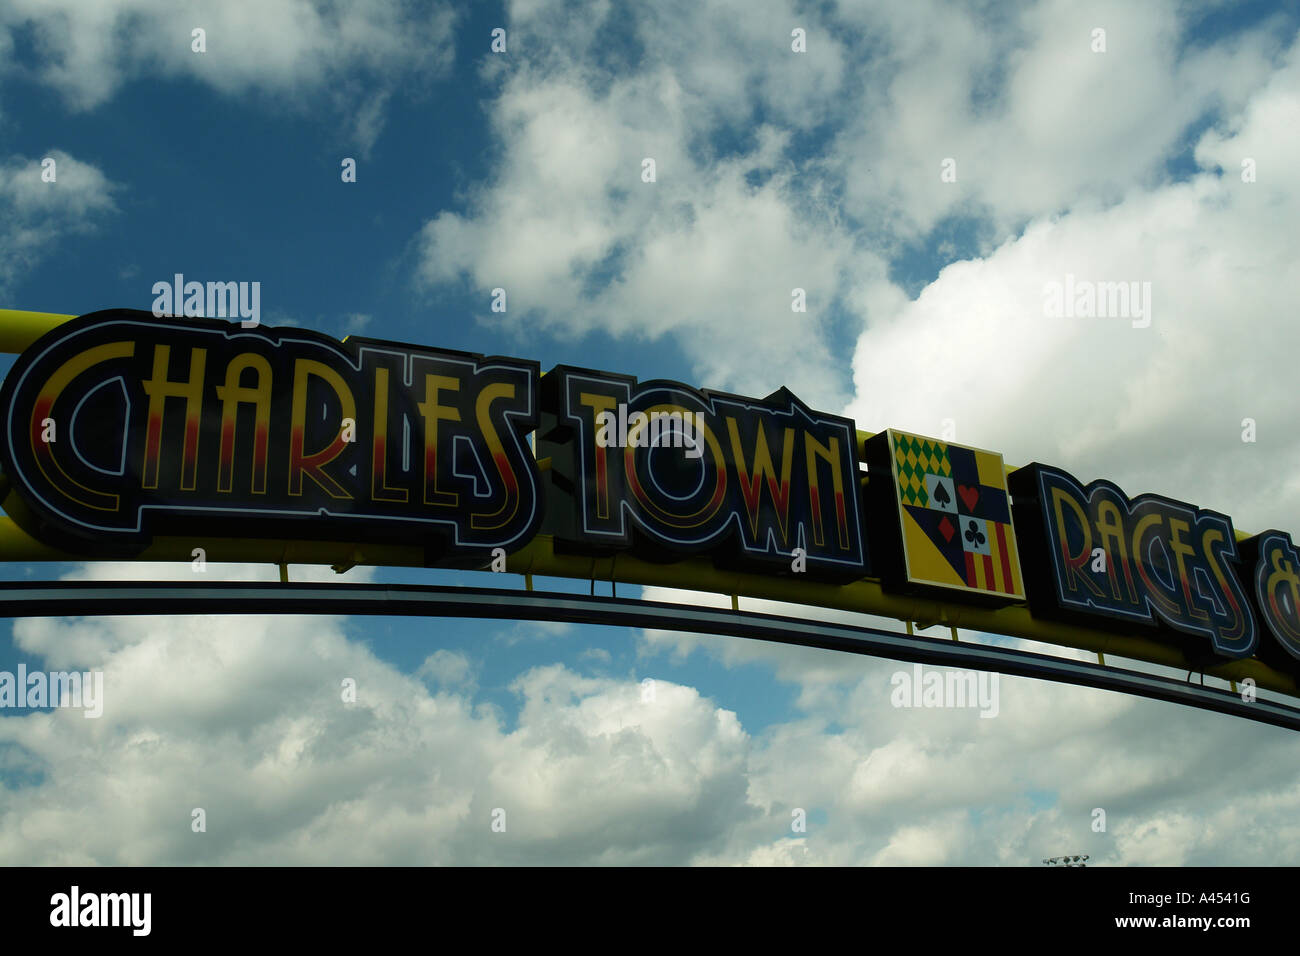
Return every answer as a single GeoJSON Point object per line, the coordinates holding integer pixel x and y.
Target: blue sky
{"type": "Point", "coordinates": [776, 169]}
{"type": "Point", "coordinates": [220, 185]}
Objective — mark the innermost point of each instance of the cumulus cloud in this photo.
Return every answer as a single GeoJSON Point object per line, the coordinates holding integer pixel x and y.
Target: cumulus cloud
{"type": "Point", "coordinates": [448, 668]}
{"type": "Point", "coordinates": [820, 170]}
{"type": "Point", "coordinates": [354, 54]}
{"type": "Point", "coordinates": [581, 243]}
{"type": "Point", "coordinates": [1033, 112]}
{"type": "Point", "coordinates": [1157, 408]}
{"type": "Point", "coordinates": [887, 785]}
{"type": "Point", "coordinates": [245, 718]}
{"type": "Point", "coordinates": [709, 252]}
{"type": "Point", "coordinates": [35, 214]}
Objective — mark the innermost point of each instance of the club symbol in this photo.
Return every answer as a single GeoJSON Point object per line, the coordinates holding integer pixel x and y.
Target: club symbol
{"type": "Point", "coordinates": [941, 494]}
{"type": "Point", "coordinates": [974, 535]}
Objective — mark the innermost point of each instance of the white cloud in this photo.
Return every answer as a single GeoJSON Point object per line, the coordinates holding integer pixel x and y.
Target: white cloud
{"type": "Point", "coordinates": [709, 253]}
{"type": "Point", "coordinates": [946, 787]}
{"type": "Point", "coordinates": [35, 215]}
{"type": "Point", "coordinates": [907, 786]}
{"type": "Point", "coordinates": [779, 170]}
{"type": "Point", "coordinates": [353, 53]}
{"type": "Point", "coordinates": [1155, 409]}
{"type": "Point", "coordinates": [355, 323]}
{"type": "Point", "coordinates": [1033, 117]}
{"type": "Point", "coordinates": [448, 668]}
{"type": "Point", "coordinates": [244, 717]}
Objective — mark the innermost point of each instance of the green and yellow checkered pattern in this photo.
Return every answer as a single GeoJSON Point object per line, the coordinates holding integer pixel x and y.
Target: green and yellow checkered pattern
{"type": "Point", "coordinates": [914, 458]}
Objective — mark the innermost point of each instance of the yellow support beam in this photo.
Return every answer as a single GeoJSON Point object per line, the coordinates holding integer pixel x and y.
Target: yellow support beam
{"type": "Point", "coordinates": [19, 329]}
{"type": "Point", "coordinates": [539, 557]}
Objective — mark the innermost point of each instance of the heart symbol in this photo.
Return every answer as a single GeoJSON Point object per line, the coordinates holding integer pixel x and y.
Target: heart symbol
{"type": "Point", "coordinates": [968, 496]}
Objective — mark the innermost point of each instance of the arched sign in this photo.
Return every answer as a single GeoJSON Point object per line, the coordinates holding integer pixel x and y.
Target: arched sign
{"type": "Point", "coordinates": [125, 433]}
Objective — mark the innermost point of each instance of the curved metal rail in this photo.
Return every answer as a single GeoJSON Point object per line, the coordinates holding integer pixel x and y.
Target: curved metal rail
{"type": "Point", "coordinates": [72, 598]}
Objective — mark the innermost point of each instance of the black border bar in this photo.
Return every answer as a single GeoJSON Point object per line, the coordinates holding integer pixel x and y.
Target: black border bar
{"type": "Point", "coordinates": [109, 598]}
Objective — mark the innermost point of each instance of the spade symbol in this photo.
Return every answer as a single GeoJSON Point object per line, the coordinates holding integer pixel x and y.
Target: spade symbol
{"type": "Point", "coordinates": [941, 494]}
